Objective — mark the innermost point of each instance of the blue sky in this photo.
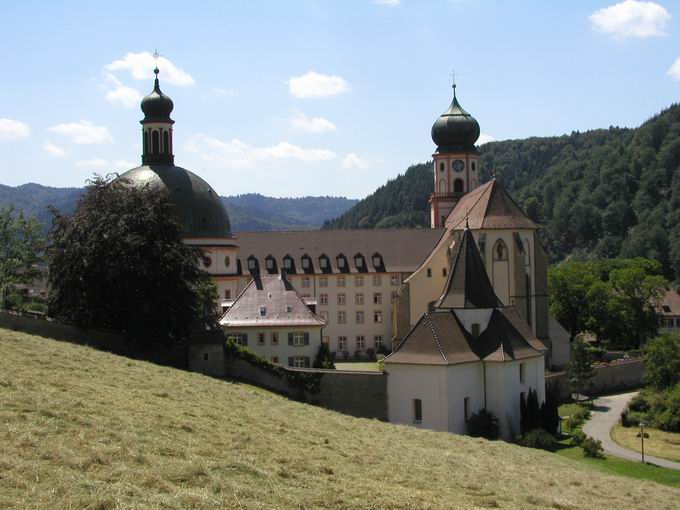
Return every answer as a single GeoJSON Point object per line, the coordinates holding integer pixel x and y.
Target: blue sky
{"type": "Point", "coordinates": [316, 97]}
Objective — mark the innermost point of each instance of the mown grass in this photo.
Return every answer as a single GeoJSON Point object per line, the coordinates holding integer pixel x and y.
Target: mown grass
{"type": "Point", "coordinates": [80, 428]}
{"type": "Point", "coordinates": [665, 445]}
{"type": "Point", "coordinates": [362, 366]}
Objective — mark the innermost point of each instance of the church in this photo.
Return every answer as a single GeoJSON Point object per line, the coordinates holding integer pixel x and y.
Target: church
{"type": "Point", "coordinates": [368, 287]}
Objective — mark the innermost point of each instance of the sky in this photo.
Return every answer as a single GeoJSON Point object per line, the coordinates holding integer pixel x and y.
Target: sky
{"type": "Point", "coordinates": [302, 98]}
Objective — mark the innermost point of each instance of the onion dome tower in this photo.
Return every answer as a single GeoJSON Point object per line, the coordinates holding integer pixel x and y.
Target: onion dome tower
{"type": "Point", "coordinates": [456, 161]}
{"type": "Point", "coordinates": [199, 209]}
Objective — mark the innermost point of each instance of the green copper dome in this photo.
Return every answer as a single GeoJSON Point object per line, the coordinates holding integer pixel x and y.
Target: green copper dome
{"type": "Point", "coordinates": [156, 106]}
{"type": "Point", "coordinates": [199, 209]}
{"type": "Point", "coordinates": [455, 129]}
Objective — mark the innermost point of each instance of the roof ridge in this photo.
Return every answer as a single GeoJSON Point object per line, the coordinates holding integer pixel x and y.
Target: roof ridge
{"type": "Point", "coordinates": [436, 338]}
{"type": "Point", "coordinates": [481, 194]}
{"type": "Point", "coordinates": [416, 229]}
{"type": "Point", "coordinates": [237, 297]}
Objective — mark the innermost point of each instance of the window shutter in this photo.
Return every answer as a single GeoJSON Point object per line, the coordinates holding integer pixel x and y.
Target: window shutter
{"type": "Point", "coordinates": [306, 361]}
{"type": "Point", "coordinates": [306, 338]}
{"type": "Point", "coordinates": [290, 339]}
{"type": "Point", "coordinates": [245, 338]}
{"type": "Point", "coordinates": [290, 361]}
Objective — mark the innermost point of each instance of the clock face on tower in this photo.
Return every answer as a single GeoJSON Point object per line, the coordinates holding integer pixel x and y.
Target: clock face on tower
{"type": "Point", "coordinates": [458, 165]}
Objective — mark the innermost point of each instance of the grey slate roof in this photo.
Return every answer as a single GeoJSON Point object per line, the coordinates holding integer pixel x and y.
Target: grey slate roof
{"type": "Point", "coordinates": [401, 250]}
{"type": "Point", "coordinates": [284, 306]}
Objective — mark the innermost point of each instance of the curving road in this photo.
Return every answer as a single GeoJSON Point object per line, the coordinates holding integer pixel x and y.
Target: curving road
{"type": "Point", "coordinates": [600, 425]}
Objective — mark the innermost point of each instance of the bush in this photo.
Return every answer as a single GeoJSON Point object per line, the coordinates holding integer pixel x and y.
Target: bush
{"type": "Point", "coordinates": [662, 361]}
{"type": "Point", "coordinates": [668, 418]}
{"type": "Point", "coordinates": [539, 439]}
{"type": "Point", "coordinates": [577, 437]}
{"type": "Point", "coordinates": [576, 419]}
{"type": "Point", "coordinates": [370, 352]}
{"type": "Point", "coordinates": [483, 424]}
{"type": "Point", "coordinates": [592, 448]}
{"type": "Point", "coordinates": [582, 413]}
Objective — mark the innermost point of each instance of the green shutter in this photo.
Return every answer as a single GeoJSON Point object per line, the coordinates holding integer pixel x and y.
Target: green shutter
{"type": "Point", "coordinates": [290, 361]}
{"type": "Point", "coordinates": [290, 338]}
{"type": "Point", "coordinates": [306, 361]}
{"type": "Point", "coordinates": [245, 338]}
{"type": "Point", "coordinates": [306, 338]}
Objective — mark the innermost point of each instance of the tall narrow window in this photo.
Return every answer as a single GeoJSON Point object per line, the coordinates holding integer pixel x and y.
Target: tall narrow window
{"type": "Point", "coordinates": [146, 142]}
{"type": "Point", "coordinates": [522, 373]}
{"type": "Point", "coordinates": [166, 142]}
{"type": "Point", "coordinates": [458, 186]}
{"type": "Point", "coordinates": [466, 408]}
{"type": "Point", "coordinates": [155, 142]}
{"type": "Point", "coordinates": [417, 410]}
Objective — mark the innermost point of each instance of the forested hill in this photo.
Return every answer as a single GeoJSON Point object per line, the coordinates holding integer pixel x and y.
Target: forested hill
{"type": "Point", "coordinates": [246, 212]}
{"type": "Point", "coordinates": [603, 193]}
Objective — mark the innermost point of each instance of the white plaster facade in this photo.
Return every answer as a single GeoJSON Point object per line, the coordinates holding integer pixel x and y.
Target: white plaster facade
{"type": "Point", "coordinates": [273, 343]}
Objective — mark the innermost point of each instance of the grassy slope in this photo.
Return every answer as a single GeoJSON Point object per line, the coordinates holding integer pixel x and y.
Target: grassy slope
{"type": "Point", "coordinates": [82, 428]}
{"type": "Point", "coordinates": [665, 445]}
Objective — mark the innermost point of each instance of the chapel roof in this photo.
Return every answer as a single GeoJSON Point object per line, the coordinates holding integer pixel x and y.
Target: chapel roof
{"type": "Point", "coordinates": [488, 206]}
{"type": "Point", "coordinates": [270, 300]}
{"type": "Point", "coordinates": [468, 285]}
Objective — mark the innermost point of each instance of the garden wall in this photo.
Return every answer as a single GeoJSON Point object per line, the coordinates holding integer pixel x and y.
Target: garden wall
{"type": "Point", "coordinates": [620, 376]}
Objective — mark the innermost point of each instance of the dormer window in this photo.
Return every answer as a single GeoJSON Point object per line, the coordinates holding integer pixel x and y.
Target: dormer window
{"type": "Point", "coordinates": [263, 311]}
{"type": "Point", "coordinates": [377, 260]}
{"type": "Point", "coordinates": [270, 263]}
{"type": "Point", "coordinates": [252, 263]}
{"type": "Point", "coordinates": [342, 262]}
{"type": "Point", "coordinates": [323, 262]}
{"type": "Point", "coordinates": [306, 262]}
{"type": "Point", "coordinates": [288, 262]}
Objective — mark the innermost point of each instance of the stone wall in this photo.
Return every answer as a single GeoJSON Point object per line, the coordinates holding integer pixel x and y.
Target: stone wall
{"type": "Point", "coordinates": [621, 376]}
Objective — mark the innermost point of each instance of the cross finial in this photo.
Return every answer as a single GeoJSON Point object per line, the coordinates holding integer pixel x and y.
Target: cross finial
{"type": "Point", "coordinates": [156, 55]}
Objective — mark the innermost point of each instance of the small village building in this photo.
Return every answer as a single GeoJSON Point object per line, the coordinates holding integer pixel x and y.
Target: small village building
{"type": "Point", "coordinates": [668, 310]}
{"type": "Point", "coordinates": [468, 352]}
{"type": "Point", "coordinates": [273, 319]}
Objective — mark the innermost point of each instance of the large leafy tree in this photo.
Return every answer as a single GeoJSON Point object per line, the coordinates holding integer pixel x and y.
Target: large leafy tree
{"type": "Point", "coordinates": [21, 250]}
{"type": "Point", "coordinates": [119, 262]}
{"type": "Point", "coordinates": [662, 361]}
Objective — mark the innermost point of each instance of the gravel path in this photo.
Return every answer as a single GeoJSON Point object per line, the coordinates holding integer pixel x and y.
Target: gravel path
{"type": "Point", "coordinates": [600, 425]}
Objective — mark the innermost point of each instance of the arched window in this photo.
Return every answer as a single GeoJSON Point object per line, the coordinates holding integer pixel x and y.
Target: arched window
{"type": "Point", "coordinates": [474, 166]}
{"type": "Point", "coordinates": [442, 186]}
{"type": "Point", "coordinates": [527, 254]}
{"type": "Point", "coordinates": [500, 251]}
{"type": "Point", "coordinates": [146, 142]}
{"type": "Point", "coordinates": [155, 142]}
{"type": "Point", "coordinates": [458, 186]}
{"type": "Point", "coordinates": [441, 166]}
{"type": "Point", "coordinates": [166, 142]}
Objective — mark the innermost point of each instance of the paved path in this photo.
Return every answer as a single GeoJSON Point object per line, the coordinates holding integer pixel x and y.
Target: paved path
{"type": "Point", "coordinates": [600, 425]}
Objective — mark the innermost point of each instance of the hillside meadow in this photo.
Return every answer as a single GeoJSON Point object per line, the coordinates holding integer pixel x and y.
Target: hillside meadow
{"type": "Point", "coordinates": [80, 428]}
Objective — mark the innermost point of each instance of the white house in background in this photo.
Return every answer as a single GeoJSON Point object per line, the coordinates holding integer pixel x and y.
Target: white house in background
{"type": "Point", "coordinates": [273, 319]}
{"type": "Point", "coordinates": [668, 310]}
{"type": "Point", "coordinates": [468, 353]}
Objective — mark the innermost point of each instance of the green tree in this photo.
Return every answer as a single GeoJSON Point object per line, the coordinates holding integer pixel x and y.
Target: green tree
{"type": "Point", "coordinates": [21, 250]}
{"type": "Point", "coordinates": [323, 357]}
{"type": "Point", "coordinates": [568, 287]}
{"type": "Point", "coordinates": [662, 361]}
{"type": "Point", "coordinates": [119, 262]}
{"type": "Point", "coordinates": [579, 370]}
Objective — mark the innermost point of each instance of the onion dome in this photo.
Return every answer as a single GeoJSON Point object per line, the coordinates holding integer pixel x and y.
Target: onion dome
{"type": "Point", "coordinates": [455, 129]}
{"type": "Point", "coordinates": [157, 107]}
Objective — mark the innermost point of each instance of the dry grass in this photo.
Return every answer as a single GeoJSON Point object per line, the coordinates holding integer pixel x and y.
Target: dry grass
{"type": "Point", "coordinates": [665, 445]}
{"type": "Point", "coordinates": [81, 428]}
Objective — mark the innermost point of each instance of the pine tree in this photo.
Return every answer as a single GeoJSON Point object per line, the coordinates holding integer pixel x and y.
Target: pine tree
{"type": "Point", "coordinates": [579, 370]}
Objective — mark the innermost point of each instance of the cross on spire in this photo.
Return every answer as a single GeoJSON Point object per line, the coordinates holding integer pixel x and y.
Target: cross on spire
{"type": "Point", "coordinates": [453, 81]}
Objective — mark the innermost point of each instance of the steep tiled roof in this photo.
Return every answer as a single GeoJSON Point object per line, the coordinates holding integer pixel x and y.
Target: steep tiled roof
{"type": "Point", "coordinates": [283, 305]}
{"type": "Point", "coordinates": [468, 285]}
{"type": "Point", "coordinates": [401, 250]}
{"type": "Point", "coordinates": [669, 304]}
{"type": "Point", "coordinates": [440, 339]}
{"type": "Point", "coordinates": [488, 207]}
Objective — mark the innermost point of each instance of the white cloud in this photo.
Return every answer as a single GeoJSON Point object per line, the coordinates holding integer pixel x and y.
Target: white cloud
{"type": "Point", "coordinates": [54, 150]}
{"type": "Point", "coordinates": [353, 160]}
{"type": "Point", "coordinates": [314, 84]}
{"type": "Point", "coordinates": [83, 132]}
{"type": "Point", "coordinates": [235, 153]}
{"type": "Point", "coordinates": [674, 70]}
{"type": "Point", "coordinates": [391, 3]}
{"type": "Point", "coordinates": [310, 124]}
{"type": "Point", "coordinates": [99, 164]}
{"type": "Point", "coordinates": [223, 92]}
{"type": "Point", "coordinates": [631, 18]}
{"type": "Point", "coordinates": [141, 66]}
{"type": "Point", "coordinates": [129, 96]}
{"type": "Point", "coordinates": [11, 129]}
{"type": "Point", "coordinates": [484, 138]}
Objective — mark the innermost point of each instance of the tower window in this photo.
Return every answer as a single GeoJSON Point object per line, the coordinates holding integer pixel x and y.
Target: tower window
{"type": "Point", "coordinates": [166, 142]}
{"type": "Point", "coordinates": [442, 167]}
{"type": "Point", "coordinates": [155, 142]}
{"type": "Point", "coordinates": [146, 142]}
{"type": "Point", "coordinates": [458, 186]}
{"type": "Point", "coordinates": [474, 166]}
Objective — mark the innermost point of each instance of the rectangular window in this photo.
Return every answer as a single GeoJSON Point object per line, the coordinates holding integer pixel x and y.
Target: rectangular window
{"type": "Point", "coordinates": [323, 299]}
{"type": "Point", "coordinates": [240, 338]}
{"type": "Point", "coordinates": [270, 263]}
{"type": "Point", "coordinates": [341, 281]}
{"type": "Point", "coordinates": [358, 281]}
{"type": "Point", "coordinates": [377, 261]}
{"type": "Point", "coordinates": [305, 281]}
{"type": "Point", "coordinates": [341, 262]}
{"type": "Point", "coordinates": [324, 316]}
{"type": "Point", "coordinates": [305, 263]}
{"type": "Point", "coordinates": [377, 298]}
{"type": "Point", "coordinates": [466, 408]}
{"type": "Point", "coordinates": [289, 308]}
{"type": "Point", "coordinates": [206, 356]}
{"type": "Point", "coordinates": [342, 343]}
{"type": "Point", "coordinates": [300, 361]}
{"type": "Point", "coordinates": [288, 263]}
{"type": "Point", "coordinates": [377, 342]}
{"type": "Point", "coordinates": [417, 410]}
{"type": "Point", "coordinates": [342, 318]}
{"type": "Point", "coordinates": [275, 360]}
{"type": "Point", "coordinates": [444, 273]}
{"type": "Point", "coordinates": [323, 262]}
{"type": "Point", "coordinates": [275, 338]}
{"type": "Point", "coordinates": [260, 339]}
{"type": "Point", "coordinates": [377, 316]}
{"type": "Point", "coordinates": [677, 323]}
{"type": "Point", "coordinates": [323, 281]}
{"type": "Point", "coordinates": [429, 272]}
{"type": "Point", "coordinates": [359, 298]}
{"type": "Point", "coordinates": [475, 330]}
{"type": "Point", "coordinates": [522, 373]}
{"type": "Point", "coordinates": [360, 316]}
{"type": "Point", "coordinates": [298, 338]}
{"type": "Point", "coordinates": [252, 264]}
{"type": "Point", "coordinates": [263, 311]}
{"type": "Point", "coordinates": [361, 343]}
{"type": "Point", "coordinates": [394, 280]}
{"type": "Point", "coordinates": [377, 281]}
{"type": "Point", "coordinates": [342, 299]}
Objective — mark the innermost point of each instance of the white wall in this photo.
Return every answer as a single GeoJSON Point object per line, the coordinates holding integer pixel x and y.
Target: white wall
{"type": "Point", "coordinates": [283, 351]}
{"type": "Point", "coordinates": [464, 380]}
{"type": "Point", "coordinates": [425, 382]}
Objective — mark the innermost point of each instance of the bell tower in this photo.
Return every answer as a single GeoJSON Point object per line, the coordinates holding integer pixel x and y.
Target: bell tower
{"type": "Point", "coordinates": [157, 127]}
{"type": "Point", "coordinates": [456, 160]}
